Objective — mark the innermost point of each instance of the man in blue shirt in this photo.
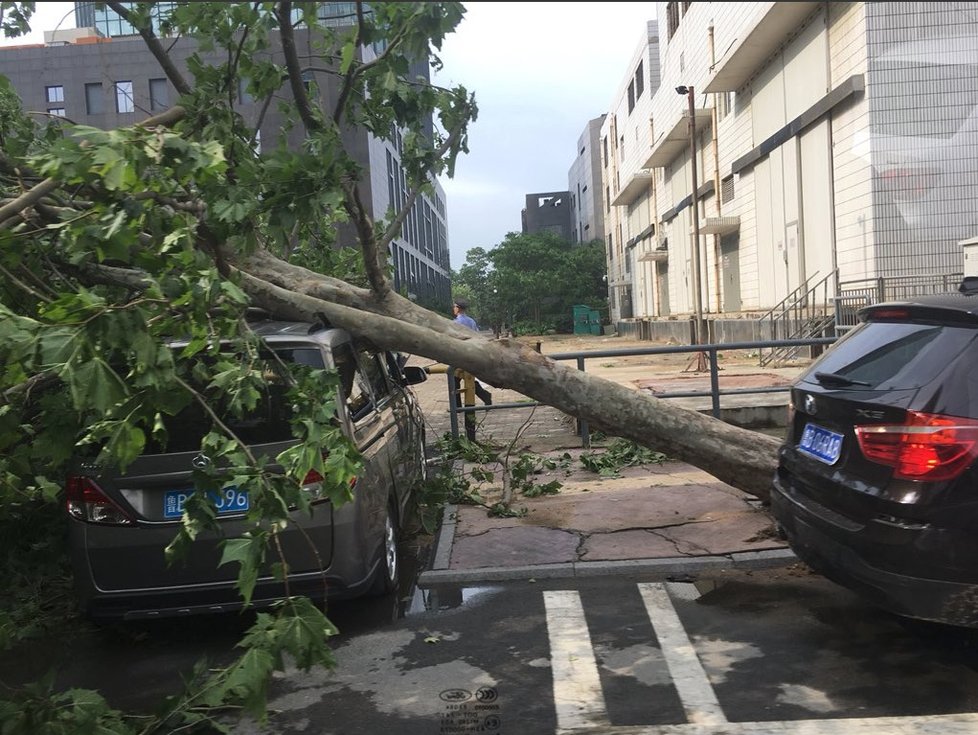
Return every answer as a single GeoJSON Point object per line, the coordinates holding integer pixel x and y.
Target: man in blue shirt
{"type": "Point", "coordinates": [458, 308]}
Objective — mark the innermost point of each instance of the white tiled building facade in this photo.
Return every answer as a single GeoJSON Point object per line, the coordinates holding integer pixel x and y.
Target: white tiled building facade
{"type": "Point", "coordinates": [834, 140]}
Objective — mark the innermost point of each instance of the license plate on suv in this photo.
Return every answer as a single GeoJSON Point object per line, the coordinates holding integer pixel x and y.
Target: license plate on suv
{"type": "Point", "coordinates": [229, 501]}
{"type": "Point", "coordinates": [822, 444]}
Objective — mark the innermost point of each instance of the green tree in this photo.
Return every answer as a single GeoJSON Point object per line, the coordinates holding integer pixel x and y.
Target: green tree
{"type": "Point", "coordinates": [535, 279]}
{"type": "Point", "coordinates": [113, 243]}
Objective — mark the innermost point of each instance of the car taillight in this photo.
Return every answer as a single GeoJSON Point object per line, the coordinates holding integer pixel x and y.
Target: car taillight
{"type": "Point", "coordinates": [312, 478]}
{"type": "Point", "coordinates": [925, 447]}
{"type": "Point", "coordinates": [87, 502]}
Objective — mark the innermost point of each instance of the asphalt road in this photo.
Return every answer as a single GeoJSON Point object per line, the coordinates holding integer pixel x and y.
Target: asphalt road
{"type": "Point", "coordinates": [768, 652]}
{"type": "Point", "coordinates": [780, 651]}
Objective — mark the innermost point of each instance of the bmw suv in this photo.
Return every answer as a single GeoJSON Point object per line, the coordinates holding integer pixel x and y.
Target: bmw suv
{"type": "Point", "coordinates": [877, 481]}
{"type": "Point", "coordinates": [120, 523]}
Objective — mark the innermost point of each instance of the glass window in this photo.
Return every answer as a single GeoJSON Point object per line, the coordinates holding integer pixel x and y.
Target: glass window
{"type": "Point", "coordinates": [57, 111]}
{"type": "Point", "coordinates": [123, 97]}
{"type": "Point", "coordinates": [373, 369]}
{"type": "Point", "coordinates": [159, 95]}
{"type": "Point", "coordinates": [639, 80]}
{"type": "Point", "coordinates": [268, 422]}
{"type": "Point", "coordinates": [94, 99]}
{"type": "Point", "coordinates": [354, 385]}
{"type": "Point", "coordinates": [55, 94]}
{"type": "Point", "coordinates": [889, 356]}
{"type": "Point", "coordinates": [244, 96]}
{"type": "Point", "coordinates": [631, 96]}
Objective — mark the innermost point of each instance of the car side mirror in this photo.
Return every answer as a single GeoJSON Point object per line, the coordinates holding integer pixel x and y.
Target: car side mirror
{"type": "Point", "coordinates": [414, 375]}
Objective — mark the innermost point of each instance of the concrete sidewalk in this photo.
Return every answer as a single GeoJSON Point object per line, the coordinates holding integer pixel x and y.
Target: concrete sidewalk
{"type": "Point", "coordinates": [666, 519]}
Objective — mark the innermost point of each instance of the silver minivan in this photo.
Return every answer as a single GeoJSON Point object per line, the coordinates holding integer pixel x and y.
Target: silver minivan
{"type": "Point", "coordinates": [120, 524]}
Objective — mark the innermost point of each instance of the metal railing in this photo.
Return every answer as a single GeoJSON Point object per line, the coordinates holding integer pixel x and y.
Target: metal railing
{"type": "Point", "coordinates": [854, 295]}
{"type": "Point", "coordinates": [711, 351]}
{"type": "Point", "coordinates": [806, 312]}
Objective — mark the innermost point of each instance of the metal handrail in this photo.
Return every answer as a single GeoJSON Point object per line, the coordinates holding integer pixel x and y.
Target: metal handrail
{"type": "Point", "coordinates": [807, 315]}
{"type": "Point", "coordinates": [712, 351]}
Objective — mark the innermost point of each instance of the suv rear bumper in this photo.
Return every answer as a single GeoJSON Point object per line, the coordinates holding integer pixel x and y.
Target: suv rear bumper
{"type": "Point", "coordinates": [833, 549]}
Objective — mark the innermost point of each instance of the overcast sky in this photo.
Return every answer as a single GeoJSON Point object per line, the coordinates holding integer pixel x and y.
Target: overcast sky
{"type": "Point", "coordinates": [539, 72]}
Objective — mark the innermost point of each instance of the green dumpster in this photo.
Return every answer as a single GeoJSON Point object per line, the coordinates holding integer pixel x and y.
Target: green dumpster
{"type": "Point", "coordinates": [594, 320]}
{"type": "Point", "coordinates": [582, 319]}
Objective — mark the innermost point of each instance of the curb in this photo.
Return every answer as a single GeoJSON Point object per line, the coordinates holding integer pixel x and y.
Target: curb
{"type": "Point", "coordinates": [663, 567]}
{"type": "Point", "coordinates": [446, 535]}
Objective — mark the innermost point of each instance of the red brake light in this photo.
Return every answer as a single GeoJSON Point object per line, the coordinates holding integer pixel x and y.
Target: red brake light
{"type": "Point", "coordinates": [85, 501]}
{"type": "Point", "coordinates": [312, 477]}
{"type": "Point", "coordinates": [889, 314]}
{"type": "Point", "coordinates": [926, 447]}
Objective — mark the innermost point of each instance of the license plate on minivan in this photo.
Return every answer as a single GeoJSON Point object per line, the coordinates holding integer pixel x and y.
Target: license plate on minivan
{"type": "Point", "coordinates": [822, 444]}
{"type": "Point", "coordinates": [229, 501]}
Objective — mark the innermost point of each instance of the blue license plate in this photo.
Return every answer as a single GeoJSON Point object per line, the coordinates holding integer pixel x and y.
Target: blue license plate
{"type": "Point", "coordinates": [822, 444]}
{"type": "Point", "coordinates": [229, 501]}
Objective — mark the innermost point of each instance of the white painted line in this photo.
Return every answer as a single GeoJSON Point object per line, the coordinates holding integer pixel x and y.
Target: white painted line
{"type": "Point", "coordinates": [578, 698]}
{"type": "Point", "coordinates": [963, 724]}
{"type": "Point", "coordinates": [691, 682]}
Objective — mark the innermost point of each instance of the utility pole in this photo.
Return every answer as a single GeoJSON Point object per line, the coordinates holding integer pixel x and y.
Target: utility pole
{"type": "Point", "coordinates": [697, 278]}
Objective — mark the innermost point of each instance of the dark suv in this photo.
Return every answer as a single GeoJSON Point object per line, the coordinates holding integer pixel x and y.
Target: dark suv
{"type": "Point", "coordinates": [877, 483]}
{"type": "Point", "coordinates": [120, 524]}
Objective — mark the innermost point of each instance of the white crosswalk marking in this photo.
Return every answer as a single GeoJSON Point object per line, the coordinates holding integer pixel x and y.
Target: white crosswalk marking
{"type": "Point", "coordinates": [581, 708]}
{"type": "Point", "coordinates": [694, 688]}
{"type": "Point", "coordinates": [577, 685]}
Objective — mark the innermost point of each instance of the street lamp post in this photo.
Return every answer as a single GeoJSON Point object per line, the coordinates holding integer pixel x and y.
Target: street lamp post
{"type": "Point", "coordinates": [697, 279]}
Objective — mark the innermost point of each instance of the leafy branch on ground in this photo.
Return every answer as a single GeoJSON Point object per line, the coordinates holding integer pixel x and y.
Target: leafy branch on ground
{"type": "Point", "coordinates": [619, 454]}
{"type": "Point", "coordinates": [468, 467]}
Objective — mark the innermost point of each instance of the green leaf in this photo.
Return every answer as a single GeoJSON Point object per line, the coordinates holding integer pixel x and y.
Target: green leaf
{"type": "Point", "coordinates": [94, 385]}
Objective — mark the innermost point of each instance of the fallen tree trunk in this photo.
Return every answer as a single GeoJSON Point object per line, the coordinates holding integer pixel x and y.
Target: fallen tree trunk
{"type": "Point", "coordinates": [742, 458]}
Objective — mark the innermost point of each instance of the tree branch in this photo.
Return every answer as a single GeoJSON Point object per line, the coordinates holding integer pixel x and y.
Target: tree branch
{"type": "Point", "coordinates": [412, 197]}
{"type": "Point", "coordinates": [347, 87]}
{"type": "Point", "coordinates": [29, 198]}
{"type": "Point", "coordinates": [284, 14]}
{"type": "Point", "coordinates": [155, 48]}
{"type": "Point", "coordinates": [374, 256]}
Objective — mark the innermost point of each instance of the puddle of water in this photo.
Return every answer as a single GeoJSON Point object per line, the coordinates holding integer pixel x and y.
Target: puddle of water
{"type": "Point", "coordinates": [436, 599]}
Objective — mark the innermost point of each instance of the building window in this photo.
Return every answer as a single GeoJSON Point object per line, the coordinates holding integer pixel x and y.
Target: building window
{"type": "Point", "coordinates": [639, 80]}
{"type": "Point", "coordinates": [244, 96]}
{"type": "Point", "coordinates": [56, 111]}
{"type": "Point", "coordinates": [607, 199]}
{"type": "Point", "coordinates": [727, 190]}
{"type": "Point", "coordinates": [159, 95]}
{"type": "Point", "coordinates": [631, 96]}
{"type": "Point", "coordinates": [672, 18]}
{"type": "Point", "coordinates": [54, 94]}
{"type": "Point", "coordinates": [123, 97]}
{"type": "Point", "coordinates": [686, 7]}
{"type": "Point", "coordinates": [604, 150]}
{"type": "Point", "coordinates": [309, 82]}
{"type": "Point", "coordinates": [94, 99]}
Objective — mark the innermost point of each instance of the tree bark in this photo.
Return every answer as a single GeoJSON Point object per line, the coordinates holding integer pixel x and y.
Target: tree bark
{"type": "Point", "coordinates": [742, 458]}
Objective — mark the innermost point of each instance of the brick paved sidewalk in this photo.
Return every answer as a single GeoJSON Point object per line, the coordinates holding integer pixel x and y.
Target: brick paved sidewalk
{"type": "Point", "coordinates": [666, 518]}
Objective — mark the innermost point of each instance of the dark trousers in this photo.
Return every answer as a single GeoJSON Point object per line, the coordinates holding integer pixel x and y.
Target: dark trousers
{"type": "Point", "coordinates": [484, 395]}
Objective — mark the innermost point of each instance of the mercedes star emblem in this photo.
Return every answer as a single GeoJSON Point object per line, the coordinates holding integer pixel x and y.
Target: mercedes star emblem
{"type": "Point", "coordinates": [200, 461]}
{"type": "Point", "coordinates": [810, 408]}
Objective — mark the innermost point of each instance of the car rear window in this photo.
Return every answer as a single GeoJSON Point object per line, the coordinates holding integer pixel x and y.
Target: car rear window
{"type": "Point", "coordinates": [269, 422]}
{"type": "Point", "coordinates": [894, 355]}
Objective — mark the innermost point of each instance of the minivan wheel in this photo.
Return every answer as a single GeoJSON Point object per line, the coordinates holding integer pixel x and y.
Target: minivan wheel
{"type": "Point", "coordinates": [388, 572]}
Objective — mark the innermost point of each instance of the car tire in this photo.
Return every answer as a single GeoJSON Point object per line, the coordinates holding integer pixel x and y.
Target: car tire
{"type": "Point", "coordinates": [387, 576]}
